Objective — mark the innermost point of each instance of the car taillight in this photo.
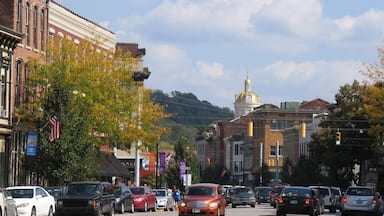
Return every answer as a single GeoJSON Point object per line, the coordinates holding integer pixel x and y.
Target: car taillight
{"type": "Point", "coordinates": [280, 200]}
{"type": "Point", "coordinates": [374, 201]}
{"type": "Point", "coordinates": [345, 199]}
{"type": "Point", "coordinates": [307, 202]}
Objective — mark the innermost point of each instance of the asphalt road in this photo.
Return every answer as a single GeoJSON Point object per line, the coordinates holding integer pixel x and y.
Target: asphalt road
{"type": "Point", "coordinates": [259, 210]}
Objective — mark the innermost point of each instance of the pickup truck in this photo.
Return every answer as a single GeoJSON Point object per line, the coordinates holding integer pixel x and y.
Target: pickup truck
{"type": "Point", "coordinates": [87, 198]}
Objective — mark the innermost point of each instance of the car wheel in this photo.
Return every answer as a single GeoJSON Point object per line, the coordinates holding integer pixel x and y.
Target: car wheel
{"type": "Point", "coordinates": [33, 212]}
{"type": "Point", "coordinates": [50, 213]}
{"type": "Point", "coordinates": [233, 205]}
{"type": "Point", "coordinates": [122, 209]}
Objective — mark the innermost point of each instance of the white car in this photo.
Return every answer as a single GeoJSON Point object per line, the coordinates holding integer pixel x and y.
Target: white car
{"type": "Point", "coordinates": [32, 200]}
{"type": "Point", "coordinates": [164, 200]}
{"type": "Point", "coordinates": [7, 204]}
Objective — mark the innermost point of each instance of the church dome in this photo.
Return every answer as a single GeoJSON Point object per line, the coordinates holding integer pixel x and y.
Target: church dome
{"type": "Point", "coordinates": [248, 96]}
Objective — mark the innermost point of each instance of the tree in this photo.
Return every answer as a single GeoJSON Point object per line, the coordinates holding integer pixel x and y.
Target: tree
{"type": "Point", "coordinates": [99, 104]}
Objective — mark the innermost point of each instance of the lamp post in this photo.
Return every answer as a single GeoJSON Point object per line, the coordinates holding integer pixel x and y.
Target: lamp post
{"type": "Point", "coordinates": [277, 159]}
{"type": "Point", "coordinates": [157, 161]}
{"type": "Point", "coordinates": [139, 77]}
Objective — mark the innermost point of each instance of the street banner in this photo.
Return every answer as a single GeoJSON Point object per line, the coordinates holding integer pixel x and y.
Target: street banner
{"type": "Point", "coordinates": [31, 143]}
{"type": "Point", "coordinates": [162, 163]}
{"type": "Point", "coordinates": [182, 169]}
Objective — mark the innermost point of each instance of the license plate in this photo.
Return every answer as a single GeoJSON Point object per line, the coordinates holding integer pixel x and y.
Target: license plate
{"type": "Point", "coordinates": [195, 211]}
{"type": "Point", "coordinates": [293, 202]}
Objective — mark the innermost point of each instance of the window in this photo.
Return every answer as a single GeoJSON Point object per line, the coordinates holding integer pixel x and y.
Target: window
{"type": "Point", "coordinates": [19, 16]}
{"type": "Point", "coordinates": [19, 67]}
{"type": "Point", "coordinates": [25, 92]}
{"type": "Point", "coordinates": [27, 31]}
{"type": "Point", "coordinates": [34, 27]}
{"type": "Point", "coordinates": [42, 29]}
{"type": "Point", "coordinates": [273, 151]}
{"type": "Point", "coordinates": [238, 166]}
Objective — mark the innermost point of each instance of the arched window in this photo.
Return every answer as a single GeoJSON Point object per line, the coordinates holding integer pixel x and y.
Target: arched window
{"type": "Point", "coordinates": [19, 69]}
{"type": "Point", "coordinates": [35, 27]}
{"type": "Point", "coordinates": [27, 19]}
{"type": "Point", "coordinates": [25, 89]}
{"type": "Point", "coordinates": [42, 29]}
{"type": "Point", "coordinates": [19, 15]}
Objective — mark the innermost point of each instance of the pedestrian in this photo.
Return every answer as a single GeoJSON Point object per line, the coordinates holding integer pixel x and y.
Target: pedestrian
{"type": "Point", "coordinates": [177, 197]}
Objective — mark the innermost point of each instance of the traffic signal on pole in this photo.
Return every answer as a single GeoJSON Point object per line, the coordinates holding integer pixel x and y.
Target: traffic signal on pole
{"type": "Point", "coordinates": [250, 128]}
{"type": "Point", "coordinates": [338, 138]}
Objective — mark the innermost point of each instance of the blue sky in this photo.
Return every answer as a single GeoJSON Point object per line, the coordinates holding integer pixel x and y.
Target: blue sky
{"type": "Point", "coordinates": [292, 50]}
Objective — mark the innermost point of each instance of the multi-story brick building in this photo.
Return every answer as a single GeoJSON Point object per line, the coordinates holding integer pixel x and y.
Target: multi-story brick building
{"type": "Point", "coordinates": [30, 18]}
{"type": "Point", "coordinates": [8, 42]}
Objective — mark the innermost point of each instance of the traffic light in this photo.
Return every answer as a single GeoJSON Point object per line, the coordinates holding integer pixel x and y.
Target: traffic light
{"type": "Point", "coordinates": [338, 138]}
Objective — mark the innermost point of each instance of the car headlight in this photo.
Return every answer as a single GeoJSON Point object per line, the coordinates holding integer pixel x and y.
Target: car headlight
{"type": "Point", "coordinates": [22, 205]}
{"type": "Point", "coordinates": [213, 205]}
{"type": "Point", "coordinates": [139, 199]}
{"type": "Point", "coordinates": [118, 199]}
{"type": "Point", "coordinates": [183, 204]}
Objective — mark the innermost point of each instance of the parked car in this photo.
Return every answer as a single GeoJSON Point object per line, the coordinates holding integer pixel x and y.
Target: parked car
{"type": "Point", "coordinates": [32, 200]}
{"type": "Point", "coordinates": [274, 194]}
{"type": "Point", "coordinates": [7, 204]}
{"type": "Point", "coordinates": [144, 198]}
{"type": "Point", "coordinates": [338, 196]}
{"type": "Point", "coordinates": [202, 199]}
{"type": "Point", "coordinates": [328, 197]}
{"type": "Point", "coordinates": [227, 195]}
{"type": "Point", "coordinates": [164, 200]}
{"type": "Point", "coordinates": [359, 200]}
{"type": "Point", "coordinates": [87, 198]}
{"type": "Point", "coordinates": [319, 201]}
{"type": "Point", "coordinates": [262, 194]}
{"type": "Point", "coordinates": [123, 199]}
{"type": "Point", "coordinates": [296, 200]}
{"type": "Point", "coordinates": [55, 191]}
{"type": "Point", "coordinates": [243, 196]}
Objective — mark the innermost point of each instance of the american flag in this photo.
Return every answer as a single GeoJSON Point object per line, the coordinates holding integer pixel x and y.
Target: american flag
{"type": "Point", "coordinates": [55, 128]}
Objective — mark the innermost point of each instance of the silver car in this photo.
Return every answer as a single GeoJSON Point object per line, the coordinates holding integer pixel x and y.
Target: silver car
{"type": "Point", "coordinates": [243, 196]}
{"type": "Point", "coordinates": [359, 200]}
{"type": "Point", "coordinates": [164, 200]}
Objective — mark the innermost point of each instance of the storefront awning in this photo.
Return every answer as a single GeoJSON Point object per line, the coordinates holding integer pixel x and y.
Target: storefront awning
{"type": "Point", "coordinates": [109, 165]}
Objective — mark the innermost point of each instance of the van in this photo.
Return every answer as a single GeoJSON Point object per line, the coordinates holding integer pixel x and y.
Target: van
{"type": "Point", "coordinates": [328, 197]}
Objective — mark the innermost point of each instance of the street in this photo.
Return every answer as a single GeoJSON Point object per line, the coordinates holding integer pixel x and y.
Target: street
{"type": "Point", "coordinates": [260, 210]}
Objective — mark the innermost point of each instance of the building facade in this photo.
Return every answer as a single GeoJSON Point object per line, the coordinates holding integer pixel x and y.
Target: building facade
{"type": "Point", "coordinates": [8, 43]}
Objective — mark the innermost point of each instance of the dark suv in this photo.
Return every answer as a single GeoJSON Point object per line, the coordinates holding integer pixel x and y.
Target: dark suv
{"type": "Point", "coordinates": [87, 198]}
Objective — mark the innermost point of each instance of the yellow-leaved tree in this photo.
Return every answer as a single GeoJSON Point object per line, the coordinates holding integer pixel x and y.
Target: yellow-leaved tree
{"type": "Point", "coordinates": [93, 94]}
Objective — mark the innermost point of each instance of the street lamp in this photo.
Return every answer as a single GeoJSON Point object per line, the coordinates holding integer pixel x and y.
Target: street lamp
{"type": "Point", "coordinates": [139, 77]}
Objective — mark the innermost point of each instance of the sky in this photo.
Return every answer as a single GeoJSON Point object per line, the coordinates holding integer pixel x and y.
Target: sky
{"type": "Point", "coordinates": [291, 50]}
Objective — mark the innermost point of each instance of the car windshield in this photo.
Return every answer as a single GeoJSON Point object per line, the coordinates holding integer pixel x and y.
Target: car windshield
{"type": "Point", "coordinates": [161, 193]}
{"type": "Point", "coordinates": [243, 191]}
{"type": "Point", "coordinates": [324, 191]}
{"type": "Point", "coordinates": [137, 191]}
{"type": "Point", "coordinates": [264, 190]}
{"type": "Point", "coordinates": [360, 192]}
{"type": "Point", "coordinates": [296, 192]}
{"type": "Point", "coordinates": [21, 193]}
{"type": "Point", "coordinates": [83, 188]}
{"type": "Point", "coordinates": [201, 191]}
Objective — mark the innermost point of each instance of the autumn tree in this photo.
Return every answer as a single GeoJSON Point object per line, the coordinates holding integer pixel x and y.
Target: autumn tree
{"type": "Point", "coordinates": [99, 103]}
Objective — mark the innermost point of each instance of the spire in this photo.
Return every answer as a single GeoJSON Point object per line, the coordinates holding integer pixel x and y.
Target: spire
{"type": "Point", "coordinates": [247, 84]}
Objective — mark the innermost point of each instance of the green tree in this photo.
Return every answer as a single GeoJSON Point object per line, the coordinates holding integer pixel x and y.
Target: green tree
{"type": "Point", "coordinates": [98, 102]}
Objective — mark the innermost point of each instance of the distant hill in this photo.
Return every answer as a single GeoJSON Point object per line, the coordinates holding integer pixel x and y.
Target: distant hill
{"type": "Point", "coordinates": [190, 116]}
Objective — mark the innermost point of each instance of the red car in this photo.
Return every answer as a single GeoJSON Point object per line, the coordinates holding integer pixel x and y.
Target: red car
{"type": "Point", "coordinates": [202, 199]}
{"type": "Point", "coordinates": [144, 198]}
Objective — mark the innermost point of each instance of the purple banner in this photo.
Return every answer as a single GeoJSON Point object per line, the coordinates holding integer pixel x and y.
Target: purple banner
{"type": "Point", "coordinates": [162, 163]}
{"type": "Point", "coordinates": [182, 169]}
